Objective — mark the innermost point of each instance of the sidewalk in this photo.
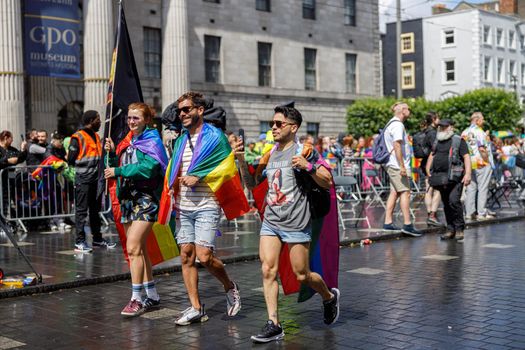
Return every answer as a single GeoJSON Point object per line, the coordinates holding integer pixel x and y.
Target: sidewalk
{"type": "Point", "coordinates": [53, 256]}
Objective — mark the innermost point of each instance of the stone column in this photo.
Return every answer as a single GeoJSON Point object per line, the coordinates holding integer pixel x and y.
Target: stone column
{"type": "Point", "coordinates": [12, 115]}
{"type": "Point", "coordinates": [98, 48]}
{"type": "Point", "coordinates": [44, 105]}
{"type": "Point", "coordinates": [175, 68]}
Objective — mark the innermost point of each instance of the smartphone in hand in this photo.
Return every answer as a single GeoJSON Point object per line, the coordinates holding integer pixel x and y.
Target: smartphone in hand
{"type": "Point", "coordinates": [241, 135]}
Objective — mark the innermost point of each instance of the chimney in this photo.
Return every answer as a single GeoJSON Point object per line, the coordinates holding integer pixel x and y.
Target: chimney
{"type": "Point", "coordinates": [508, 7]}
{"type": "Point", "coordinates": [440, 8]}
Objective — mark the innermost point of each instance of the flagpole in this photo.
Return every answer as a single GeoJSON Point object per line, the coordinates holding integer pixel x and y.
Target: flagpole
{"type": "Point", "coordinates": [112, 71]}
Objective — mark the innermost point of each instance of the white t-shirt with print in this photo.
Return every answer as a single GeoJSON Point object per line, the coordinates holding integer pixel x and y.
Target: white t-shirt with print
{"type": "Point", "coordinates": [396, 132]}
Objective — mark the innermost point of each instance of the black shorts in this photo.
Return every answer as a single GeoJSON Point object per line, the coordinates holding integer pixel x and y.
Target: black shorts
{"type": "Point", "coordinates": [138, 206]}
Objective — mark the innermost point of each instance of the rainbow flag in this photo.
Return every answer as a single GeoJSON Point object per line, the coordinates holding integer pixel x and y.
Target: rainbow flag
{"type": "Point", "coordinates": [214, 163]}
{"type": "Point", "coordinates": [324, 247]}
{"type": "Point", "coordinates": [161, 243]}
{"type": "Point", "coordinates": [53, 161]}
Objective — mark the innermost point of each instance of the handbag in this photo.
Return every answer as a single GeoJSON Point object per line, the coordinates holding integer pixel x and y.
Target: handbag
{"type": "Point", "coordinates": [438, 179]}
{"type": "Point", "coordinates": [520, 161]}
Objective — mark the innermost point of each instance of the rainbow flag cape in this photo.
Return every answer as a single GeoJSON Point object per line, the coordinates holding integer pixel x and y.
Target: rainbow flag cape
{"type": "Point", "coordinates": [324, 247]}
{"type": "Point", "coordinates": [214, 163]}
{"type": "Point", "coordinates": [161, 243]}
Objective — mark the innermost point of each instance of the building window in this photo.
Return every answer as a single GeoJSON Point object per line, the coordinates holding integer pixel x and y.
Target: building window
{"type": "Point", "coordinates": [262, 5]}
{"type": "Point", "coordinates": [264, 52]}
{"type": "Point", "coordinates": [450, 71]}
{"type": "Point", "coordinates": [500, 71]}
{"type": "Point", "coordinates": [487, 69]}
{"type": "Point", "coordinates": [448, 37]}
{"type": "Point", "coordinates": [523, 74]}
{"type": "Point", "coordinates": [212, 57]}
{"type": "Point", "coordinates": [512, 39]}
{"type": "Point", "coordinates": [512, 70]}
{"type": "Point", "coordinates": [152, 52]}
{"type": "Point", "coordinates": [350, 13]}
{"type": "Point", "coordinates": [487, 39]}
{"type": "Point", "coordinates": [351, 60]}
{"type": "Point", "coordinates": [309, 9]}
{"type": "Point", "coordinates": [310, 71]}
{"type": "Point", "coordinates": [499, 37]}
{"type": "Point", "coordinates": [312, 129]}
{"type": "Point", "coordinates": [214, 1]}
{"type": "Point", "coordinates": [407, 43]}
{"type": "Point", "coordinates": [408, 80]}
{"type": "Point", "coordinates": [522, 41]}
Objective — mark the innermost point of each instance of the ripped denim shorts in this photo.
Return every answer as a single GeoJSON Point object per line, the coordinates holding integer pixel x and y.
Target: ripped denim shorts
{"type": "Point", "coordinates": [198, 227]}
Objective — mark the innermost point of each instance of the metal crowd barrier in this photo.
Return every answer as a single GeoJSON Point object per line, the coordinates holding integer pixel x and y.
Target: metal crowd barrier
{"type": "Point", "coordinates": [49, 196]}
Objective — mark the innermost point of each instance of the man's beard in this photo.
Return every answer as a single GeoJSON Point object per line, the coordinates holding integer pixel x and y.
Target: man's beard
{"type": "Point", "coordinates": [444, 135]}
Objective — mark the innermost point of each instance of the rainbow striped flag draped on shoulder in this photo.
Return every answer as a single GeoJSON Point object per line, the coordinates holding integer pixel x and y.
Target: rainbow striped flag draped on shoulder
{"type": "Point", "coordinates": [324, 247]}
{"type": "Point", "coordinates": [213, 162]}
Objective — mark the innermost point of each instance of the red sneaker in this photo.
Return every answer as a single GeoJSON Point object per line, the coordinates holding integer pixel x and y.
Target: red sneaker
{"type": "Point", "coordinates": [134, 308]}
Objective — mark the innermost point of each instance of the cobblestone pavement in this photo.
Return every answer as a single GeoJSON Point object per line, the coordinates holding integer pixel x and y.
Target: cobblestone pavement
{"type": "Point", "coordinates": [53, 256]}
{"type": "Point", "coordinates": [400, 294]}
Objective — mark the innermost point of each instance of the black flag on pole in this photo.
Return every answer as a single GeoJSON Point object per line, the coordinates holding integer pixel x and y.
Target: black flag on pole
{"type": "Point", "coordinates": [124, 89]}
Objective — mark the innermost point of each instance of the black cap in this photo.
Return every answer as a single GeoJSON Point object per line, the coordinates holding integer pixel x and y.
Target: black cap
{"type": "Point", "coordinates": [289, 104]}
{"type": "Point", "coordinates": [446, 122]}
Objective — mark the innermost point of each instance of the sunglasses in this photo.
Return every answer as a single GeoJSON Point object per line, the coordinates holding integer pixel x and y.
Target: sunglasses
{"type": "Point", "coordinates": [279, 124]}
{"type": "Point", "coordinates": [134, 118]}
{"type": "Point", "coordinates": [186, 109]}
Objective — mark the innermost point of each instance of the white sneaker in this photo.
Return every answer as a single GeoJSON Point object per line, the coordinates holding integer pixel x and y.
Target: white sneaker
{"type": "Point", "coordinates": [54, 228]}
{"type": "Point", "coordinates": [191, 315]}
{"type": "Point", "coordinates": [64, 226]}
{"type": "Point", "coordinates": [233, 300]}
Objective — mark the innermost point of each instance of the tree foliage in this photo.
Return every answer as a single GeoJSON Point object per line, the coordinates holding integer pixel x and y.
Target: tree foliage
{"type": "Point", "coordinates": [500, 108]}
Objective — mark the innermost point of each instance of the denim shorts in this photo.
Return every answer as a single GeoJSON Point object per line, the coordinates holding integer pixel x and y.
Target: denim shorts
{"type": "Point", "coordinates": [303, 236]}
{"type": "Point", "coordinates": [198, 227]}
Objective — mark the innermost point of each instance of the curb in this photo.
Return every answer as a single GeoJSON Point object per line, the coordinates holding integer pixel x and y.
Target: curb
{"type": "Point", "coordinates": [48, 288]}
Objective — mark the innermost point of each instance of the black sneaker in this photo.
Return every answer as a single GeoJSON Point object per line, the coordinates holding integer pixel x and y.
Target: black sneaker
{"type": "Point", "coordinates": [331, 307]}
{"type": "Point", "coordinates": [104, 244]}
{"type": "Point", "coordinates": [269, 332]}
{"type": "Point", "coordinates": [391, 228]}
{"type": "Point", "coordinates": [151, 304]}
{"type": "Point", "coordinates": [409, 230]}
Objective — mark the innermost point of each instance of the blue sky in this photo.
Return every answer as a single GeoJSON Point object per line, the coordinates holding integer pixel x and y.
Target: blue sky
{"type": "Point", "coordinates": [411, 9]}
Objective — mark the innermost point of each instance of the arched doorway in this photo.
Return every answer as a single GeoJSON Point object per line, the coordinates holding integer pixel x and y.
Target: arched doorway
{"type": "Point", "coordinates": [70, 117]}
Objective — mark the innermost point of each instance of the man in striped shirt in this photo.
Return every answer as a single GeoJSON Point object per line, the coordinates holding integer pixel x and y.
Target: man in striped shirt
{"type": "Point", "coordinates": [199, 214]}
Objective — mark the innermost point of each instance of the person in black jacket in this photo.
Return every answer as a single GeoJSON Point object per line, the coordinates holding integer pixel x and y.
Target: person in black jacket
{"type": "Point", "coordinates": [9, 156]}
{"type": "Point", "coordinates": [449, 169]}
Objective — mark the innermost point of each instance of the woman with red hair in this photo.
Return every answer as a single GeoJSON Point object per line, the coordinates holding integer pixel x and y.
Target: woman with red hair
{"type": "Point", "coordinates": [139, 165]}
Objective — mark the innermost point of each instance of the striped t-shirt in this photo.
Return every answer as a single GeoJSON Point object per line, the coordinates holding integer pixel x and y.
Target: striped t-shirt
{"type": "Point", "coordinates": [198, 197]}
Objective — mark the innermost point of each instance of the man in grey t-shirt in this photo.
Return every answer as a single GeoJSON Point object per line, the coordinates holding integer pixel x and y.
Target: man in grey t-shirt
{"type": "Point", "coordinates": [287, 219]}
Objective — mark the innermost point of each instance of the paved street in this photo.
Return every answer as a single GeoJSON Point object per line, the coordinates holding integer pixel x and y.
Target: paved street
{"type": "Point", "coordinates": [399, 294]}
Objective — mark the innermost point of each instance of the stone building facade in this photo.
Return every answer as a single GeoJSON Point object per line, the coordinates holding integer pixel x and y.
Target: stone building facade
{"type": "Point", "coordinates": [249, 55]}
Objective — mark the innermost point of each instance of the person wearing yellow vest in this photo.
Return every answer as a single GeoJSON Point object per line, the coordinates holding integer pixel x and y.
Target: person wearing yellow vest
{"type": "Point", "coordinates": [85, 152]}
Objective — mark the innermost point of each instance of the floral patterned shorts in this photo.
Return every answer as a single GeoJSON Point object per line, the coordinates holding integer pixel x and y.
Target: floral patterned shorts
{"type": "Point", "coordinates": [139, 206]}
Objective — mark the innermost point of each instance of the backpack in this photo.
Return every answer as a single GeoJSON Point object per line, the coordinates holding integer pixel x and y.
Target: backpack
{"type": "Point", "coordinates": [420, 148]}
{"type": "Point", "coordinates": [318, 197]}
{"type": "Point", "coordinates": [456, 167]}
{"type": "Point", "coordinates": [380, 153]}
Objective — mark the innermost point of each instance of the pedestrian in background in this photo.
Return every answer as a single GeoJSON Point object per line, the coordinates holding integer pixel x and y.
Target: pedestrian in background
{"type": "Point", "coordinates": [448, 170]}
{"type": "Point", "coordinates": [480, 158]}
{"type": "Point", "coordinates": [399, 170]}
{"type": "Point", "coordinates": [85, 152]}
